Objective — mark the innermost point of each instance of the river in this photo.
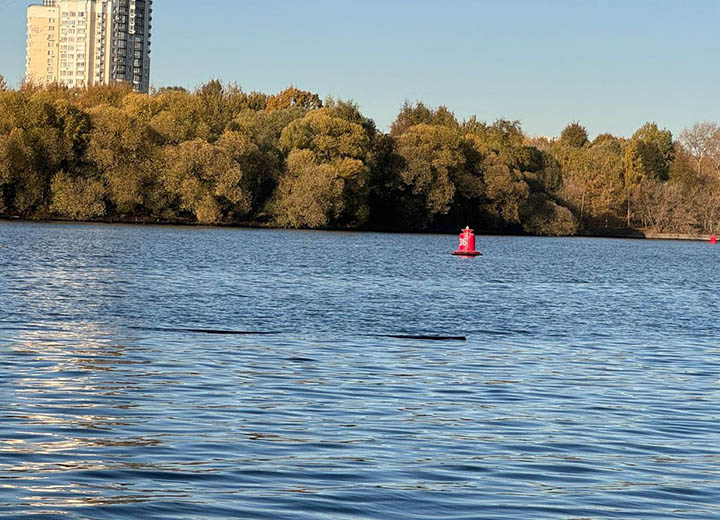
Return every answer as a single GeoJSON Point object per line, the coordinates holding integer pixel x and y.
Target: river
{"type": "Point", "coordinates": [152, 372]}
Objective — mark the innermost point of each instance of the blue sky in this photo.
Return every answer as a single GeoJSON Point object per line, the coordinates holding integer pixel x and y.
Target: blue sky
{"type": "Point", "coordinates": [612, 65]}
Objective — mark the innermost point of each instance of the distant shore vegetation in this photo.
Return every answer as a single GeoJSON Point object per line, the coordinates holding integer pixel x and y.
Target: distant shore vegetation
{"type": "Point", "coordinates": [219, 155]}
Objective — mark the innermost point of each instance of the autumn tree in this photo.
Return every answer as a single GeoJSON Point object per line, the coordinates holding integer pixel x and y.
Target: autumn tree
{"type": "Point", "coordinates": [179, 117]}
{"type": "Point", "coordinates": [218, 105]}
{"type": "Point", "coordinates": [220, 155]}
{"type": "Point", "coordinates": [207, 179]}
{"type": "Point", "coordinates": [34, 149]}
{"type": "Point", "coordinates": [328, 168]}
{"type": "Point", "coordinates": [96, 95]}
{"type": "Point", "coordinates": [122, 150]}
{"type": "Point", "coordinates": [293, 97]}
{"type": "Point", "coordinates": [77, 198]}
{"type": "Point", "coordinates": [606, 191]}
{"type": "Point", "coordinates": [592, 178]}
{"type": "Point", "coordinates": [664, 207]}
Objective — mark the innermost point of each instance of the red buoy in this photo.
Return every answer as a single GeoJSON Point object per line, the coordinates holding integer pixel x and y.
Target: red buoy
{"type": "Point", "coordinates": [467, 244]}
{"type": "Point", "coordinates": [713, 240]}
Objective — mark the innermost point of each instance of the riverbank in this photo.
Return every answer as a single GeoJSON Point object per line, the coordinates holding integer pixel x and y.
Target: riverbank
{"type": "Point", "coordinates": [637, 234]}
{"type": "Point", "coordinates": [646, 234]}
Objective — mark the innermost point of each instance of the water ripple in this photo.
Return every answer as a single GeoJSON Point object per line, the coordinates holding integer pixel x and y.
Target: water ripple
{"type": "Point", "coordinates": [176, 373]}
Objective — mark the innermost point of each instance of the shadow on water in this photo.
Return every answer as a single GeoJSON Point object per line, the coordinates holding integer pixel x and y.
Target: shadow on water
{"type": "Point", "coordinates": [207, 331]}
{"type": "Point", "coordinates": [277, 333]}
{"type": "Point", "coordinates": [426, 338]}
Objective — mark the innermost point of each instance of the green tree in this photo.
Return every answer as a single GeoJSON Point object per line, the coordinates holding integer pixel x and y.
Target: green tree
{"type": "Point", "coordinates": [504, 138]}
{"type": "Point", "coordinates": [75, 126]}
{"type": "Point", "coordinates": [142, 106]}
{"type": "Point", "coordinates": [392, 207]}
{"type": "Point", "coordinates": [5, 172]}
{"type": "Point", "coordinates": [544, 216]}
{"type": "Point", "coordinates": [603, 138]}
{"type": "Point", "coordinates": [579, 176]}
{"type": "Point", "coordinates": [521, 183]}
{"type": "Point", "coordinates": [635, 172]}
{"type": "Point", "coordinates": [433, 157]}
{"type": "Point", "coordinates": [414, 114]}
{"type": "Point", "coordinates": [219, 105]}
{"type": "Point", "coordinates": [215, 110]}
{"type": "Point", "coordinates": [507, 190]}
{"type": "Point", "coordinates": [409, 116]}
{"type": "Point", "coordinates": [236, 186]}
{"type": "Point", "coordinates": [574, 135]}
{"type": "Point", "coordinates": [657, 149]}
{"type": "Point", "coordinates": [31, 158]}
{"type": "Point", "coordinates": [263, 129]}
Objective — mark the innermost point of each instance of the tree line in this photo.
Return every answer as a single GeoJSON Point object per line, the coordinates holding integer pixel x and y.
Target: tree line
{"type": "Point", "coordinates": [219, 155]}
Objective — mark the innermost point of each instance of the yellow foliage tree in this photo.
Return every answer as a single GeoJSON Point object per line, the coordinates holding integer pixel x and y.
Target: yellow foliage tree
{"type": "Point", "coordinates": [327, 174]}
{"type": "Point", "coordinates": [294, 97]}
{"type": "Point", "coordinates": [77, 198]}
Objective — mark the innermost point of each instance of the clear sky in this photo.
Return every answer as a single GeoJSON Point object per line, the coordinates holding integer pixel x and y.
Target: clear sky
{"type": "Point", "coordinates": [612, 65]}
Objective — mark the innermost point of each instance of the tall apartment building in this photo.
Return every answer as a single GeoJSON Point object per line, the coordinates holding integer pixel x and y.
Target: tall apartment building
{"type": "Point", "coordinates": [90, 42]}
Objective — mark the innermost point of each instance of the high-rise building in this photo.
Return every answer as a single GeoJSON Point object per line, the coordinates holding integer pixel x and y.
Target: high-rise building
{"type": "Point", "coordinates": [90, 42]}
{"type": "Point", "coordinates": [130, 49]}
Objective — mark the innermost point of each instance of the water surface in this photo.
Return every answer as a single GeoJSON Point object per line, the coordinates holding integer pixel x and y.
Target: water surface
{"type": "Point", "coordinates": [588, 387]}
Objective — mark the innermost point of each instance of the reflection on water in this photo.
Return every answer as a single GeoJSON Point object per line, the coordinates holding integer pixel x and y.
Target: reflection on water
{"type": "Point", "coordinates": [65, 404]}
{"type": "Point", "coordinates": [587, 388]}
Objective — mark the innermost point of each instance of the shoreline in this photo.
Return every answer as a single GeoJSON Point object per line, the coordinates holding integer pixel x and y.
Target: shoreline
{"type": "Point", "coordinates": [645, 234]}
{"type": "Point", "coordinates": [629, 234]}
